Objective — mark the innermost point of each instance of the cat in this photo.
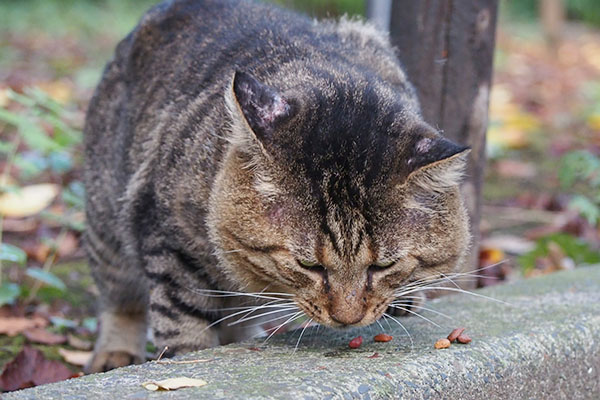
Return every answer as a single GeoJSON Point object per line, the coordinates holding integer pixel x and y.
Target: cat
{"type": "Point", "coordinates": [234, 146]}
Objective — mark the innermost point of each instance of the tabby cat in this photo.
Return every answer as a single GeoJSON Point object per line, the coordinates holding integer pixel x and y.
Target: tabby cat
{"type": "Point", "coordinates": [236, 146]}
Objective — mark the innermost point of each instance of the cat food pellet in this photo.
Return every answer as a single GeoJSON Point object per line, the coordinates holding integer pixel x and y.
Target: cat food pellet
{"type": "Point", "coordinates": [382, 337]}
{"type": "Point", "coordinates": [463, 339]}
{"type": "Point", "coordinates": [442, 344]}
{"type": "Point", "coordinates": [455, 334]}
{"type": "Point", "coordinates": [356, 342]}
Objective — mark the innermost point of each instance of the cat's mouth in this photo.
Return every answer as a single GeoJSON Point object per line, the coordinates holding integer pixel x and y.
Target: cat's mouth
{"type": "Point", "coordinates": [343, 318]}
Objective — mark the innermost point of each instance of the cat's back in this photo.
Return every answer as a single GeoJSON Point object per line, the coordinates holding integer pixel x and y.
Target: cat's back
{"type": "Point", "coordinates": [159, 111]}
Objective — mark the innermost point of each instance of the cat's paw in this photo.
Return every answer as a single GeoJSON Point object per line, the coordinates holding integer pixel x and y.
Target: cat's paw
{"type": "Point", "coordinates": [406, 306]}
{"type": "Point", "coordinates": [106, 360]}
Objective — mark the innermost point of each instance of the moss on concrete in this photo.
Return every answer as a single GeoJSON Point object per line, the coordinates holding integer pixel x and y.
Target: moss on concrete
{"type": "Point", "coordinates": [545, 344]}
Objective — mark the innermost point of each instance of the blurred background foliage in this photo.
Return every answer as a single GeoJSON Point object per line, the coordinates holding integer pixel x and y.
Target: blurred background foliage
{"type": "Point", "coordinates": [542, 191]}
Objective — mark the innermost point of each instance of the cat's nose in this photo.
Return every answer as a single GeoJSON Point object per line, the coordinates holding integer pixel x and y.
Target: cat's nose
{"type": "Point", "coordinates": [348, 308]}
{"type": "Point", "coordinates": [347, 318]}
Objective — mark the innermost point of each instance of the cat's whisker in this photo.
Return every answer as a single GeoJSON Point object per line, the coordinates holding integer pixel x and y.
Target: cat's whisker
{"type": "Point", "coordinates": [302, 333]}
{"type": "Point", "coordinates": [289, 320]}
{"type": "Point", "coordinates": [471, 274]}
{"type": "Point", "coordinates": [416, 314]}
{"type": "Point", "coordinates": [272, 303]}
{"type": "Point", "coordinates": [380, 326]}
{"type": "Point", "coordinates": [388, 323]}
{"type": "Point", "coordinates": [386, 315]}
{"type": "Point", "coordinates": [233, 293]}
{"type": "Point", "coordinates": [245, 312]}
{"type": "Point", "coordinates": [441, 279]}
{"type": "Point", "coordinates": [240, 294]}
{"type": "Point", "coordinates": [451, 289]}
{"type": "Point", "coordinates": [248, 318]}
{"type": "Point", "coordinates": [270, 320]}
{"type": "Point", "coordinates": [394, 305]}
{"type": "Point", "coordinates": [228, 251]}
{"type": "Point", "coordinates": [252, 307]}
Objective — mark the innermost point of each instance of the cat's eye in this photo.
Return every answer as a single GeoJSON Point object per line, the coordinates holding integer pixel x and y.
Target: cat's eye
{"type": "Point", "coordinates": [384, 264]}
{"type": "Point", "coordinates": [313, 267]}
{"type": "Point", "coordinates": [307, 264]}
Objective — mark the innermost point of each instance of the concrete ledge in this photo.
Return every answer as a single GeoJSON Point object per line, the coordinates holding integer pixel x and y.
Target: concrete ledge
{"type": "Point", "coordinates": [545, 346]}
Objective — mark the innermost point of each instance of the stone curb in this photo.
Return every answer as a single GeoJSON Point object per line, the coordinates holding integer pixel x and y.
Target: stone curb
{"type": "Point", "coordinates": [544, 345]}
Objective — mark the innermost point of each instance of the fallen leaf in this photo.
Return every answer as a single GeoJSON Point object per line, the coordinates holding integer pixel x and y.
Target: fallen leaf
{"type": "Point", "coordinates": [40, 335]}
{"type": "Point", "coordinates": [28, 200]}
{"type": "Point", "coordinates": [12, 326]}
{"type": "Point", "coordinates": [505, 243]}
{"type": "Point", "coordinates": [68, 245]}
{"type": "Point", "coordinates": [79, 344]}
{"type": "Point", "coordinates": [76, 357]}
{"type": "Point", "coordinates": [19, 225]}
{"type": "Point", "coordinates": [174, 383]}
{"type": "Point", "coordinates": [515, 169]}
{"type": "Point", "coordinates": [60, 91]}
{"type": "Point", "coordinates": [30, 368]}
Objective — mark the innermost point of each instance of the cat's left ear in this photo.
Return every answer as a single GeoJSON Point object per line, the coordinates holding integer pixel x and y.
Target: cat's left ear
{"type": "Point", "coordinates": [436, 163]}
{"type": "Point", "coordinates": [261, 107]}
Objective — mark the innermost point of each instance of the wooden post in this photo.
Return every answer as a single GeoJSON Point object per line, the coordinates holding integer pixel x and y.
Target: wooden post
{"type": "Point", "coordinates": [447, 47]}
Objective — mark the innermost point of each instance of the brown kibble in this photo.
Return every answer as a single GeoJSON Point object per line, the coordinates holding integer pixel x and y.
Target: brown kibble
{"type": "Point", "coordinates": [382, 337]}
{"type": "Point", "coordinates": [356, 342]}
{"type": "Point", "coordinates": [442, 344]}
{"type": "Point", "coordinates": [455, 334]}
{"type": "Point", "coordinates": [464, 339]}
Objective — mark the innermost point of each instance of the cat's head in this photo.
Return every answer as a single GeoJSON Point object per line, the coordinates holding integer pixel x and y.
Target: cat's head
{"type": "Point", "coordinates": [339, 194]}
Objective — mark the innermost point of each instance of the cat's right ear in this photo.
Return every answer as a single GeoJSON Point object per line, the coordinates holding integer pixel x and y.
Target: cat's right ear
{"type": "Point", "coordinates": [257, 110]}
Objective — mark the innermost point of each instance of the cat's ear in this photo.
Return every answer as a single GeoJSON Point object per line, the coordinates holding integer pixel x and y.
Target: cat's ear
{"type": "Point", "coordinates": [261, 108]}
{"type": "Point", "coordinates": [435, 163]}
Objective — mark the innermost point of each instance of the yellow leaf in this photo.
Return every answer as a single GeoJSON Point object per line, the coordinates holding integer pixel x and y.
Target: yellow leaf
{"type": "Point", "coordinates": [59, 91]}
{"type": "Point", "coordinates": [28, 200]}
{"type": "Point", "coordinates": [75, 357]}
{"type": "Point", "coordinates": [594, 121]}
{"type": "Point", "coordinates": [174, 383]}
{"type": "Point", "coordinates": [4, 97]}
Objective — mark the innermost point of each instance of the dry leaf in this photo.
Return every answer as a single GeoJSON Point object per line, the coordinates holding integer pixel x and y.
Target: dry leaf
{"type": "Point", "coordinates": [68, 245]}
{"type": "Point", "coordinates": [12, 326]}
{"type": "Point", "coordinates": [40, 335]}
{"type": "Point", "coordinates": [174, 383]}
{"type": "Point", "coordinates": [79, 344]}
{"type": "Point", "coordinates": [19, 225]}
{"type": "Point", "coordinates": [76, 357]}
{"type": "Point", "coordinates": [28, 200]}
{"type": "Point", "coordinates": [30, 368]}
{"type": "Point", "coordinates": [60, 91]}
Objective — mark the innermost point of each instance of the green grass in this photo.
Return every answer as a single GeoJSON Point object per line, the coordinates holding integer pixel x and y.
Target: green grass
{"type": "Point", "coordinates": [86, 19]}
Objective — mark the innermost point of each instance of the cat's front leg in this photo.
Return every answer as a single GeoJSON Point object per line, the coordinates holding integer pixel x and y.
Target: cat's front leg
{"type": "Point", "coordinates": [183, 313]}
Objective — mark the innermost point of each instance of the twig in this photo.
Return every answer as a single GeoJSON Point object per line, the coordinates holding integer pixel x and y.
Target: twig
{"type": "Point", "coordinates": [162, 353]}
{"type": "Point", "coordinates": [47, 264]}
{"type": "Point", "coordinates": [183, 362]}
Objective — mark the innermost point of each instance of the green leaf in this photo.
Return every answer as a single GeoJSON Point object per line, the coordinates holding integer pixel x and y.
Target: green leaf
{"type": "Point", "coordinates": [90, 323]}
{"type": "Point", "coordinates": [586, 207]}
{"type": "Point", "coordinates": [63, 322]}
{"type": "Point", "coordinates": [36, 138]}
{"type": "Point", "coordinates": [9, 117]}
{"type": "Point", "coordinates": [9, 293]}
{"type": "Point", "coordinates": [11, 253]}
{"type": "Point", "coordinates": [74, 195]}
{"type": "Point", "coordinates": [47, 277]}
{"type": "Point", "coordinates": [578, 250]}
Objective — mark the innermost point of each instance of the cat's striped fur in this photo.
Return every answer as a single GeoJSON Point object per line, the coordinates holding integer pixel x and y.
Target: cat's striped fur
{"type": "Point", "coordinates": [233, 145]}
